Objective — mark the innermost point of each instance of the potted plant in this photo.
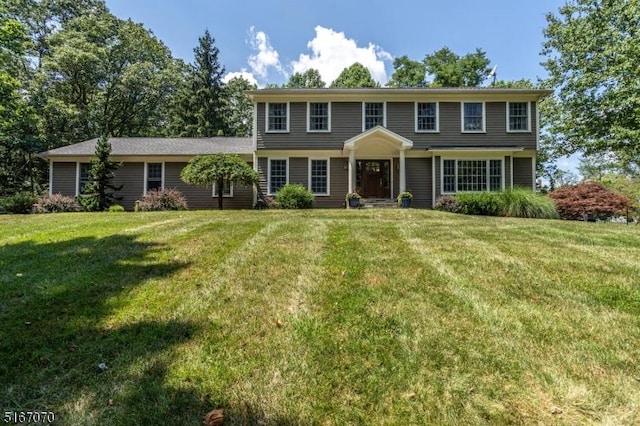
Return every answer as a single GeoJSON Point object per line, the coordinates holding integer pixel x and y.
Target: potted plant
{"type": "Point", "coordinates": [404, 199]}
{"type": "Point", "coordinates": [353, 199]}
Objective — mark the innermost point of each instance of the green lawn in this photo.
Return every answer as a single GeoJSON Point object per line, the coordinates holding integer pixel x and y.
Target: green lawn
{"type": "Point", "coordinates": [319, 317]}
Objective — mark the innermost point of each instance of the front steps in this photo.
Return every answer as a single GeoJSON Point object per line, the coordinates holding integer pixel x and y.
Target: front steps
{"type": "Point", "coordinates": [378, 203]}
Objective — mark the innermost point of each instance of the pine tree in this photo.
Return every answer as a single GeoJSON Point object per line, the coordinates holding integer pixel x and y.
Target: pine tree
{"type": "Point", "coordinates": [98, 194]}
{"type": "Point", "coordinates": [207, 87]}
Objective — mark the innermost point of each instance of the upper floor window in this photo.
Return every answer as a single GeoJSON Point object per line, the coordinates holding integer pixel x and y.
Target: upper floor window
{"type": "Point", "coordinates": [83, 176]}
{"type": "Point", "coordinates": [153, 176]}
{"type": "Point", "coordinates": [373, 115]}
{"type": "Point", "coordinates": [473, 117]}
{"type": "Point", "coordinates": [471, 175]}
{"type": "Point", "coordinates": [518, 116]}
{"type": "Point", "coordinates": [278, 117]}
{"type": "Point", "coordinates": [319, 117]}
{"type": "Point", "coordinates": [426, 116]}
{"type": "Point", "coordinates": [278, 175]}
{"type": "Point", "coordinates": [319, 176]}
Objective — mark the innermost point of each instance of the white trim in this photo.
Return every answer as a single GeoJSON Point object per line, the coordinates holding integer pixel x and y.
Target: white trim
{"type": "Point", "coordinates": [255, 187]}
{"type": "Point", "coordinates": [266, 117]}
{"type": "Point", "coordinates": [433, 181]}
{"type": "Point", "coordinates": [512, 172]}
{"type": "Point", "coordinates": [328, 117]}
{"type": "Point", "coordinates": [254, 135]}
{"type": "Point", "coordinates": [384, 113]}
{"type": "Point", "coordinates": [50, 177]}
{"type": "Point", "coordinates": [146, 175]}
{"type": "Point", "coordinates": [78, 163]}
{"type": "Point", "coordinates": [537, 126]}
{"type": "Point", "coordinates": [528, 129]}
{"type": "Point", "coordinates": [269, 172]}
{"type": "Point", "coordinates": [533, 172]}
{"type": "Point", "coordinates": [215, 195]}
{"type": "Point", "coordinates": [484, 117]}
{"type": "Point", "coordinates": [487, 171]}
{"type": "Point", "coordinates": [415, 114]}
{"type": "Point", "coordinates": [328, 160]}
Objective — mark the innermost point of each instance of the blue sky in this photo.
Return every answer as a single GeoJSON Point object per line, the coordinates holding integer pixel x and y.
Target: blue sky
{"type": "Point", "coordinates": [266, 41]}
{"type": "Point", "coordinates": [272, 39]}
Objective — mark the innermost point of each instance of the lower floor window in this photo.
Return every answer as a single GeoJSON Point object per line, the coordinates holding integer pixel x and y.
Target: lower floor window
{"type": "Point", "coordinates": [471, 175]}
{"type": "Point", "coordinates": [227, 190]}
{"type": "Point", "coordinates": [319, 176]}
{"type": "Point", "coordinates": [83, 176]}
{"type": "Point", "coordinates": [277, 175]}
{"type": "Point", "coordinates": [154, 176]}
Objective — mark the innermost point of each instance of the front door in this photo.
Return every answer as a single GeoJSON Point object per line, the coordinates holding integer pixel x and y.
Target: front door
{"type": "Point", "coordinates": [374, 178]}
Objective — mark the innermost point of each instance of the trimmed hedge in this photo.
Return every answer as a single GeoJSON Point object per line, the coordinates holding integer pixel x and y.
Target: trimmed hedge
{"type": "Point", "coordinates": [294, 196]}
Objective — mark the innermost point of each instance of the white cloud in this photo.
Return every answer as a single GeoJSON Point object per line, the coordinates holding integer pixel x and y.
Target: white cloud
{"type": "Point", "coordinates": [265, 57]}
{"type": "Point", "coordinates": [242, 73]}
{"type": "Point", "coordinates": [331, 52]}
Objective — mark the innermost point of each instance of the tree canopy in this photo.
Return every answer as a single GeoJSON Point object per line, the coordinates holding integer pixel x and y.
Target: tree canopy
{"type": "Point", "coordinates": [451, 70]}
{"type": "Point", "coordinates": [218, 169]}
{"type": "Point", "coordinates": [407, 73]}
{"type": "Point", "coordinates": [355, 76]}
{"type": "Point", "coordinates": [310, 79]}
{"type": "Point", "coordinates": [592, 50]}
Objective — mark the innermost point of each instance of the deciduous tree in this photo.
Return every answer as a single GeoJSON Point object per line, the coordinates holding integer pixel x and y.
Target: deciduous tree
{"type": "Point", "coordinates": [310, 79]}
{"type": "Point", "coordinates": [355, 76]}
{"type": "Point", "coordinates": [451, 70]}
{"type": "Point", "coordinates": [407, 73]}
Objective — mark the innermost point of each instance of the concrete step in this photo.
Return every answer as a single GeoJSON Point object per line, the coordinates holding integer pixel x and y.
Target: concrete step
{"type": "Point", "coordinates": [378, 203]}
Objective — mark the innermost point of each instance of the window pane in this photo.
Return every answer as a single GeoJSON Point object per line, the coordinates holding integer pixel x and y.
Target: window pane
{"type": "Point", "coordinates": [495, 175]}
{"type": "Point", "coordinates": [278, 176]}
{"type": "Point", "coordinates": [427, 116]}
{"type": "Point", "coordinates": [449, 176]}
{"type": "Point", "coordinates": [319, 177]}
{"type": "Point", "coordinates": [319, 116]}
{"type": "Point", "coordinates": [278, 117]}
{"type": "Point", "coordinates": [373, 114]}
{"type": "Point", "coordinates": [473, 116]}
{"type": "Point", "coordinates": [226, 191]}
{"type": "Point", "coordinates": [518, 116]}
{"type": "Point", "coordinates": [84, 176]}
{"type": "Point", "coordinates": [154, 176]}
{"type": "Point", "coordinates": [472, 175]}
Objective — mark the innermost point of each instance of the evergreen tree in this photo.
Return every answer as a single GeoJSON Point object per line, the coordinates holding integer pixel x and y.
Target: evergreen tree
{"type": "Point", "coordinates": [207, 87]}
{"type": "Point", "coordinates": [98, 194]}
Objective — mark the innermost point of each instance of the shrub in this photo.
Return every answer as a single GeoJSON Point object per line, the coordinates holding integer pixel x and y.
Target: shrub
{"type": "Point", "coordinates": [56, 203]}
{"type": "Point", "coordinates": [116, 208]}
{"type": "Point", "coordinates": [19, 203]}
{"type": "Point", "coordinates": [164, 199]}
{"type": "Point", "coordinates": [525, 203]}
{"type": "Point", "coordinates": [480, 203]}
{"type": "Point", "coordinates": [447, 203]}
{"type": "Point", "coordinates": [588, 200]}
{"type": "Point", "coordinates": [265, 202]}
{"type": "Point", "coordinates": [294, 196]}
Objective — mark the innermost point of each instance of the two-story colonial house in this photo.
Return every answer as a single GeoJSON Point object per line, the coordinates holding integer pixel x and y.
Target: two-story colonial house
{"type": "Point", "coordinates": [378, 142]}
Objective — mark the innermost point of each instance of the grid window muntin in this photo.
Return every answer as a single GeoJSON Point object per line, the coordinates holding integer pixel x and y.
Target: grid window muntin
{"type": "Point", "coordinates": [153, 176]}
{"type": "Point", "coordinates": [319, 116]}
{"type": "Point", "coordinates": [518, 114]}
{"type": "Point", "coordinates": [277, 117]}
{"type": "Point", "coordinates": [471, 175]}
{"type": "Point", "coordinates": [473, 117]}
{"type": "Point", "coordinates": [227, 191]}
{"type": "Point", "coordinates": [83, 176]}
{"type": "Point", "coordinates": [426, 117]}
{"type": "Point", "coordinates": [373, 114]}
{"type": "Point", "coordinates": [278, 174]}
{"type": "Point", "coordinates": [319, 176]}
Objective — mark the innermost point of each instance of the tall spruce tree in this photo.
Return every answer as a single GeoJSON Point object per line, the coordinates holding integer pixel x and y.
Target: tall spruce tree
{"type": "Point", "coordinates": [207, 87]}
{"type": "Point", "coordinates": [99, 193]}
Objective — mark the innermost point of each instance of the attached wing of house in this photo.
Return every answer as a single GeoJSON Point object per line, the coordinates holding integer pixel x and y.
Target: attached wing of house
{"type": "Point", "coordinates": [378, 142]}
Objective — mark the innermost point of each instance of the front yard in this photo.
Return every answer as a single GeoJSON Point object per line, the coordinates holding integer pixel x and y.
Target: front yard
{"type": "Point", "coordinates": [319, 317]}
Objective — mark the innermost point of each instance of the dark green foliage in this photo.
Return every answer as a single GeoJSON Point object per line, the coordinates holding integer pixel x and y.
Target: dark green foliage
{"type": "Point", "coordinates": [116, 208]}
{"type": "Point", "coordinates": [310, 79]}
{"type": "Point", "coordinates": [294, 196]}
{"type": "Point", "coordinates": [355, 76]}
{"type": "Point", "coordinates": [407, 73]}
{"type": "Point", "coordinates": [217, 169]}
{"type": "Point", "coordinates": [99, 193]}
{"type": "Point", "coordinates": [56, 203]}
{"type": "Point", "coordinates": [451, 70]}
{"type": "Point", "coordinates": [238, 108]}
{"type": "Point", "coordinates": [480, 203]}
{"type": "Point", "coordinates": [447, 203]}
{"type": "Point", "coordinates": [19, 203]}
{"type": "Point", "coordinates": [161, 200]}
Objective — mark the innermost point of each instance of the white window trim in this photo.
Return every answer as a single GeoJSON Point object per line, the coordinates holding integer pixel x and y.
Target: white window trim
{"type": "Point", "coordinates": [437, 129]}
{"type": "Point", "coordinates": [484, 117]}
{"type": "Point", "coordinates": [266, 117]}
{"type": "Point", "coordinates": [146, 175]}
{"type": "Point", "coordinates": [487, 167]}
{"type": "Point", "coordinates": [214, 193]}
{"type": "Point", "coordinates": [528, 130]}
{"type": "Point", "coordinates": [328, 160]}
{"type": "Point", "coordinates": [269, 172]}
{"type": "Point", "coordinates": [384, 113]}
{"type": "Point", "coordinates": [309, 130]}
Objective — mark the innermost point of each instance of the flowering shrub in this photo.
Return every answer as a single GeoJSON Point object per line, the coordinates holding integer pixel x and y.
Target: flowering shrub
{"type": "Point", "coordinates": [56, 203]}
{"type": "Point", "coordinates": [447, 203]}
{"type": "Point", "coordinates": [164, 199]}
{"type": "Point", "coordinates": [588, 200]}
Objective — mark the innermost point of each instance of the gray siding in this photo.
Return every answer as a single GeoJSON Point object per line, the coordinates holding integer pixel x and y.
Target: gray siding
{"type": "Point", "coordinates": [263, 168]}
{"type": "Point", "coordinates": [346, 120]}
{"type": "Point", "coordinates": [64, 179]}
{"type": "Point", "coordinates": [131, 177]}
{"type": "Point", "coordinates": [419, 181]}
{"type": "Point", "coordinates": [522, 172]}
{"type": "Point", "coordinates": [299, 171]}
